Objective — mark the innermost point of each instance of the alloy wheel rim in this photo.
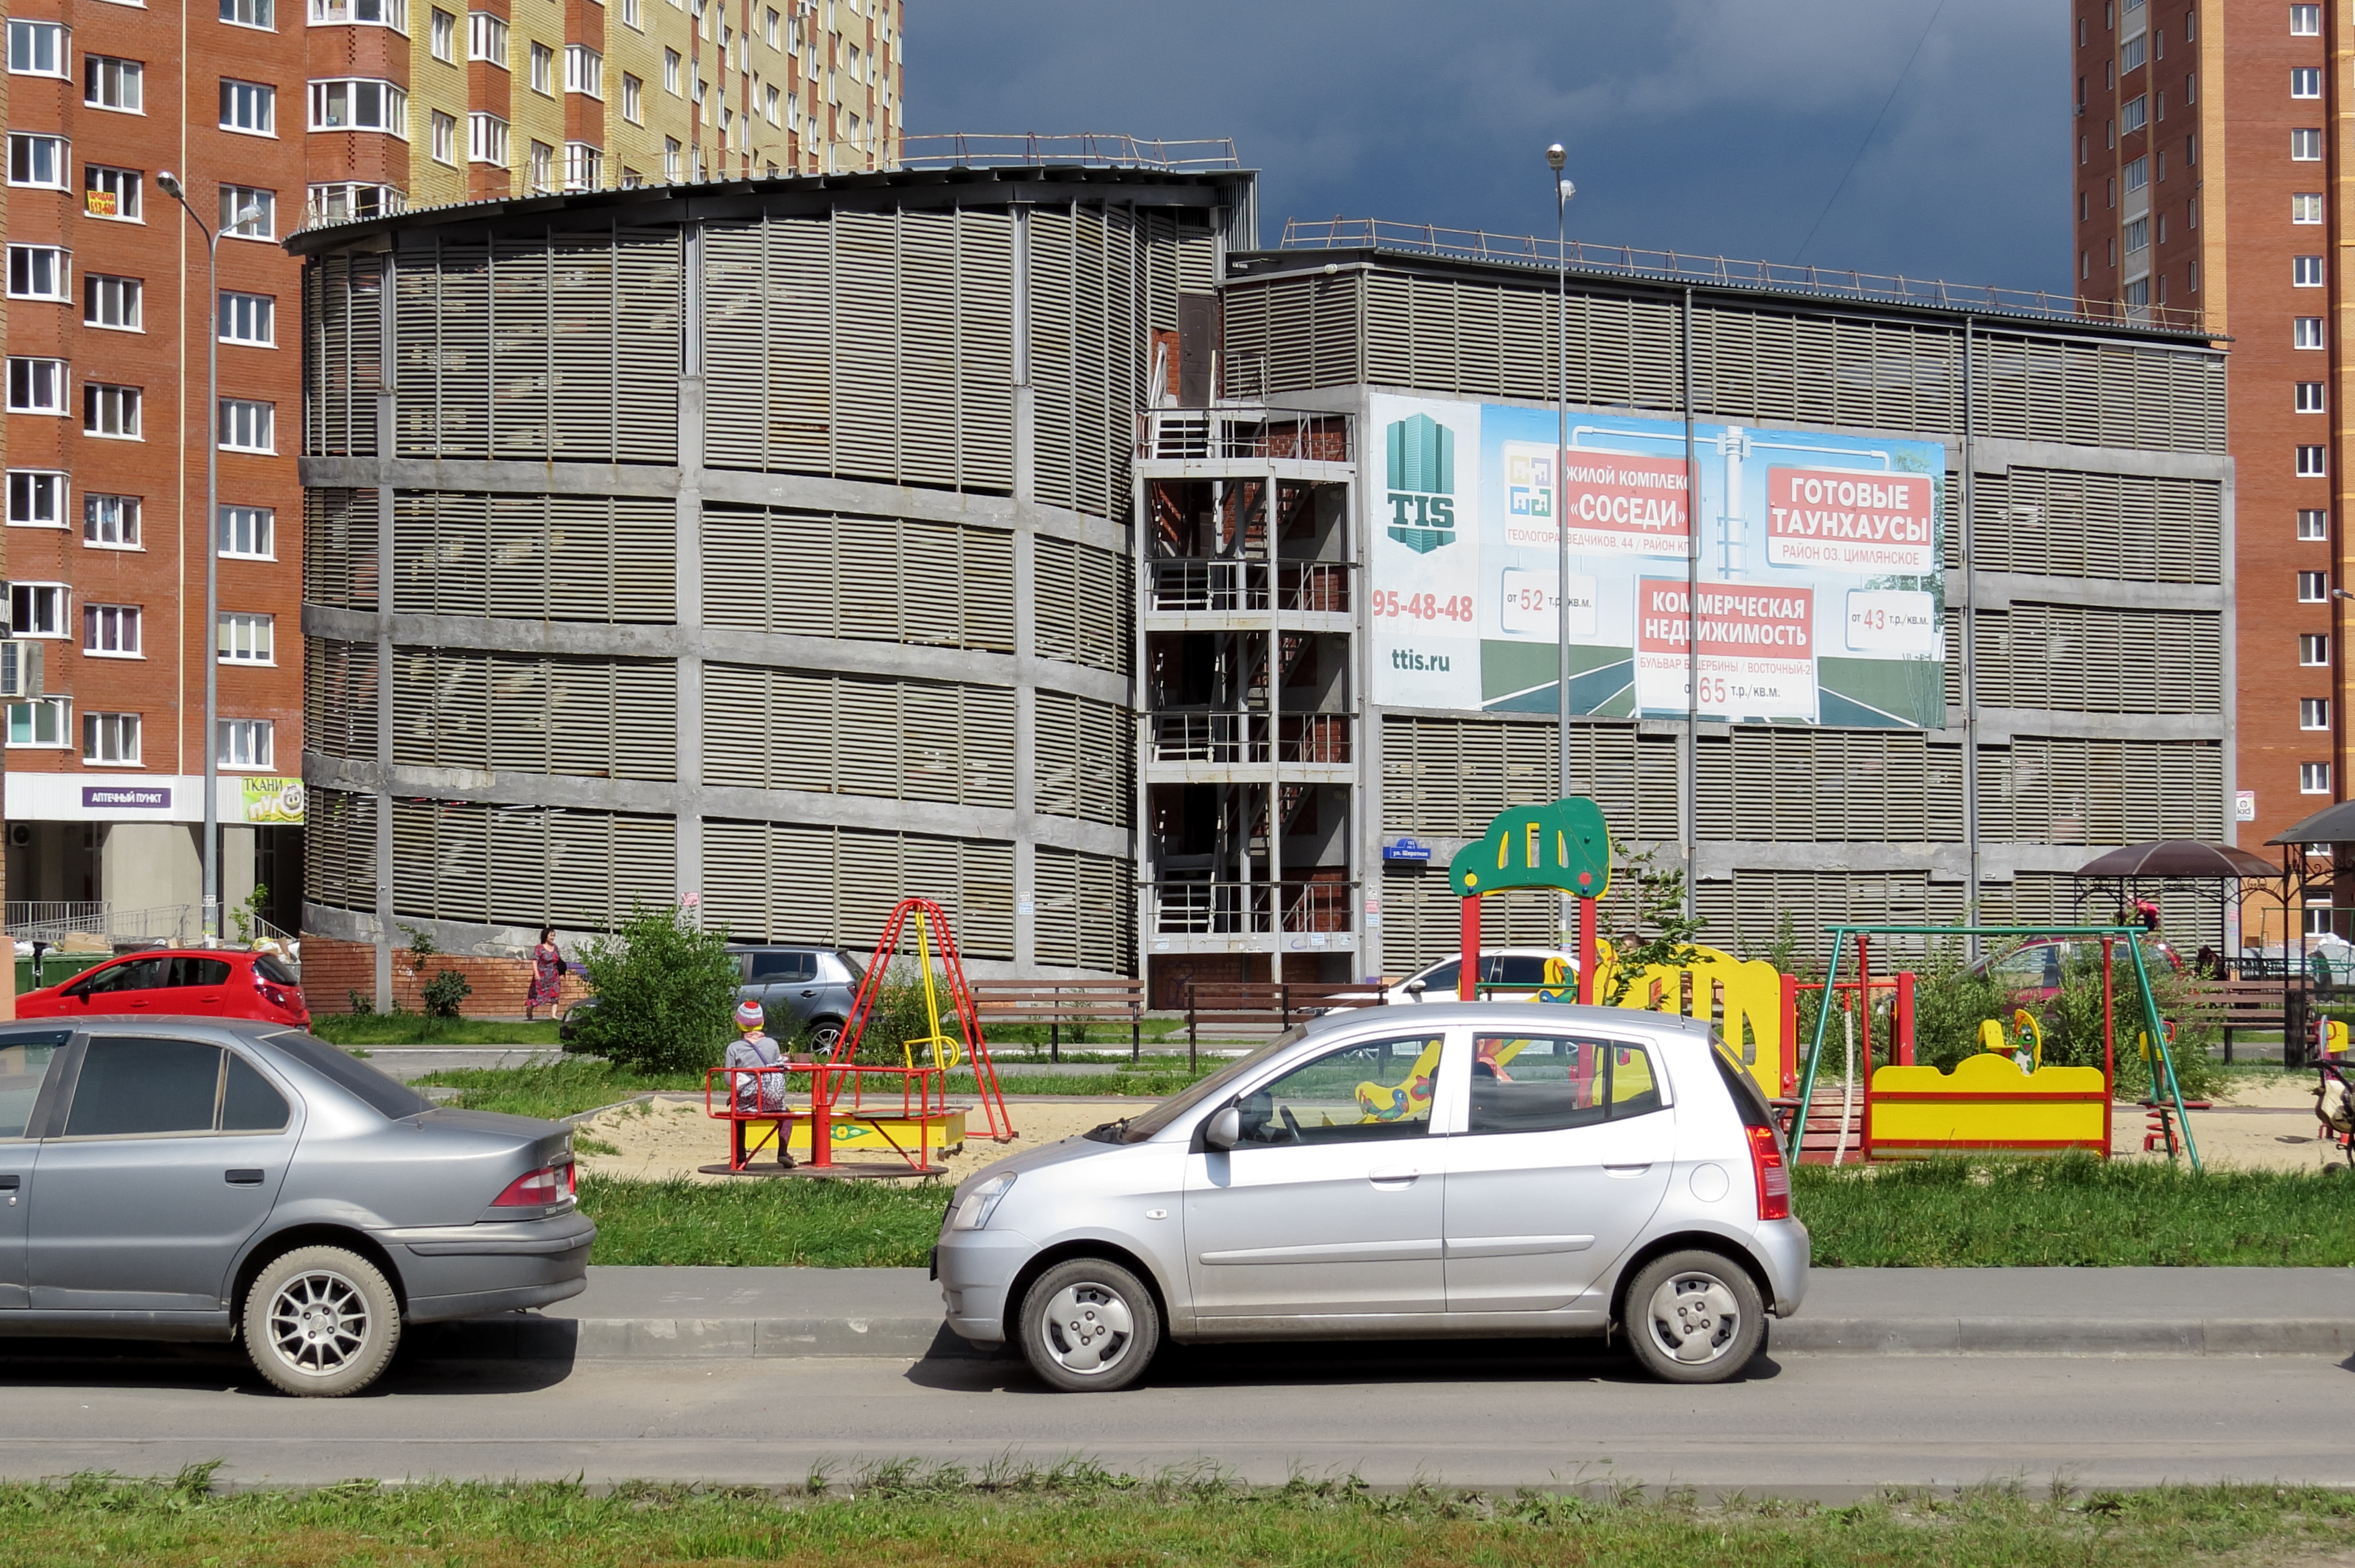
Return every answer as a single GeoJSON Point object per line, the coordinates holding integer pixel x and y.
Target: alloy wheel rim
{"type": "Point", "coordinates": [319, 1321]}
{"type": "Point", "coordinates": [1088, 1328]}
{"type": "Point", "coordinates": [1694, 1319]}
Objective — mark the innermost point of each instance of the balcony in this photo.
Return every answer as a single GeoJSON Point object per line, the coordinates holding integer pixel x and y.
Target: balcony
{"type": "Point", "coordinates": [1207, 436]}
{"type": "Point", "coordinates": [1235, 739]}
{"type": "Point", "coordinates": [1247, 908]}
{"type": "Point", "coordinates": [1232, 587]}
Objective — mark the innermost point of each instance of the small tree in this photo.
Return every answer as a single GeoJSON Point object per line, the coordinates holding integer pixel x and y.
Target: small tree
{"type": "Point", "coordinates": [447, 989]}
{"type": "Point", "coordinates": [666, 989]}
{"type": "Point", "coordinates": [1660, 908]}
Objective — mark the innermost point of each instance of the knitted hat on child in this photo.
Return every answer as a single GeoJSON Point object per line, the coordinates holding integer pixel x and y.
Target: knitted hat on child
{"type": "Point", "coordinates": [749, 1015]}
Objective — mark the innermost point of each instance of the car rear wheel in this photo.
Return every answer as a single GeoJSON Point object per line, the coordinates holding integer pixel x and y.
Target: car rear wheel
{"type": "Point", "coordinates": [1694, 1317]}
{"type": "Point", "coordinates": [321, 1322]}
{"type": "Point", "coordinates": [1088, 1326]}
{"type": "Point", "coordinates": [822, 1035]}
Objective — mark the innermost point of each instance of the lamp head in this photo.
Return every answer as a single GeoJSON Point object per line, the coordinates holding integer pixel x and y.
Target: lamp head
{"type": "Point", "coordinates": [169, 182]}
{"type": "Point", "coordinates": [1556, 157]}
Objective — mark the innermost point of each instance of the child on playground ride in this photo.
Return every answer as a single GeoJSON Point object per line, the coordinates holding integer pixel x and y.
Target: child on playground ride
{"type": "Point", "coordinates": [757, 1091]}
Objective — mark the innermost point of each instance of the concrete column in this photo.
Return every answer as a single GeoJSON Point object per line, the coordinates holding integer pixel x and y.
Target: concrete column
{"type": "Point", "coordinates": [1026, 751]}
{"type": "Point", "coordinates": [387, 436]}
{"type": "Point", "coordinates": [689, 796]}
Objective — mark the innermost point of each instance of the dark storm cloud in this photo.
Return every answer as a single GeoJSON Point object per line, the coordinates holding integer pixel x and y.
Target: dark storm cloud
{"type": "Point", "coordinates": [1705, 125]}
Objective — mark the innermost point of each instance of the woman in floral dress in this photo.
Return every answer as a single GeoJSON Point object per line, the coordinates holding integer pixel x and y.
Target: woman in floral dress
{"type": "Point", "coordinates": [546, 970]}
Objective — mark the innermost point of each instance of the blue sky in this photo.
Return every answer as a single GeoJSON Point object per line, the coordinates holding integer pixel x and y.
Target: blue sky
{"type": "Point", "coordinates": [1717, 126]}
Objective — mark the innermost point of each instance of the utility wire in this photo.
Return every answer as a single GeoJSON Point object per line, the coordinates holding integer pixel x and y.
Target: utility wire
{"type": "Point", "coordinates": [1869, 135]}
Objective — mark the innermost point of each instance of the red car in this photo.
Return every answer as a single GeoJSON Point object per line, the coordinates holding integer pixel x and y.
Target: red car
{"type": "Point", "coordinates": [219, 982]}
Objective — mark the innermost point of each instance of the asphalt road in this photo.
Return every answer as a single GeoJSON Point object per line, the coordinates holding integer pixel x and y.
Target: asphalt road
{"type": "Point", "coordinates": [1485, 1416]}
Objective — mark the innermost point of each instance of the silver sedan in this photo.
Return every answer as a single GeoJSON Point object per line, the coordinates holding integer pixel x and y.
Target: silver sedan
{"type": "Point", "coordinates": [209, 1178]}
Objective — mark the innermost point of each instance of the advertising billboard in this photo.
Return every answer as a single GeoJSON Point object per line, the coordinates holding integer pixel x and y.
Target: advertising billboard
{"type": "Point", "coordinates": [1820, 595]}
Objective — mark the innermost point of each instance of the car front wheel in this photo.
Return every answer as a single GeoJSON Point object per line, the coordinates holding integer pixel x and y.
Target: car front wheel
{"type": "Point", "coordinates": [1088, 1326]}
{"type": "Point", "coordinates": [321, 1322]}
{"type": "Point", "coordinates": [1694, 1317]}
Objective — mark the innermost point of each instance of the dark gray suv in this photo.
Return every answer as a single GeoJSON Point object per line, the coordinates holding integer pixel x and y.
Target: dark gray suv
{"type": "Point", "coordinates": [800, 987]}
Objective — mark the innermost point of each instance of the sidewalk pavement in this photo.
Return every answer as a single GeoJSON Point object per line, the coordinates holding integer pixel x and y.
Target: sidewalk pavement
{"type": "Point", "coordinates": [664, 1313]}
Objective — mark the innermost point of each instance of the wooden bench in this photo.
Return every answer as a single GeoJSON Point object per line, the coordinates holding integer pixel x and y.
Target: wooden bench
{"type": "Point", "coordinates": [1059, 1002]}
{"type": "Point", "coordinates": [2237, 1004]}
{"type": "Point", "coordinates": [1260, 1002]}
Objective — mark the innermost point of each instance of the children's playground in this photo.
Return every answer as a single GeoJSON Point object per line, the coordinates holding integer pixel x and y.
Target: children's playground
{"type": "Point", "coordinates": [1834, 1051]}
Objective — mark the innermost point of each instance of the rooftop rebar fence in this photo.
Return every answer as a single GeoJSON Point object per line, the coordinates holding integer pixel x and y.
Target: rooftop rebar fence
{"type": "Point", "coordinates": [1674, 266]}
{"type": "Point", "coordinates": [1088, 150]}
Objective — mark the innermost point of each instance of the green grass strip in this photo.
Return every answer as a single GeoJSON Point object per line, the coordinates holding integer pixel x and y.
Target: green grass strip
{"type": "Point", "coordinates": [418, 1029]}
{"type": "Point", "coordinates": [773, 1222]}
{"type": "Point", "coordinates": [579, 1084]}
{"type": "Point", "coordinates": [1079, 1515]}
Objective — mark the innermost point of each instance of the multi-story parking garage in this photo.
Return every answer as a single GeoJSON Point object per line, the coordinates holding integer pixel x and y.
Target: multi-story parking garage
{"type": "Point", "coordinates": [1029, 538]}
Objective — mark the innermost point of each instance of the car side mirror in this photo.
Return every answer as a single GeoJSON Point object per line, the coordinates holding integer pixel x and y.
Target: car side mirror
{"type": "Point", "coordinates": [1415, 987]}
{"type": "Point", "coordinates": [1224, 1130]}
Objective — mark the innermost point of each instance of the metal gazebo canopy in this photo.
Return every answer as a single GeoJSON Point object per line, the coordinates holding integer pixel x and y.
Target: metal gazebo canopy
{"type": "Point", "coordinates": [2180, 861]}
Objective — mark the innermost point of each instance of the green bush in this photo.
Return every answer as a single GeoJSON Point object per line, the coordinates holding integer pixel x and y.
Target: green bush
{"type": "Point", "coordinates": [2072, 1023]}
{"type": "Point", "coordinates": [444, 992]}
{"type": "Point", "coordinates": [899, 1017]}
{"type": "Point", "coordinates": [666, 992]}
{"type": "Point", "coordinates": [1950, 1000]}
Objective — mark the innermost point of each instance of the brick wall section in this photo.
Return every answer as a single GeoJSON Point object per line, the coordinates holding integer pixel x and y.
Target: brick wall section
{"type": "Point", "coordinates": [333, 970]}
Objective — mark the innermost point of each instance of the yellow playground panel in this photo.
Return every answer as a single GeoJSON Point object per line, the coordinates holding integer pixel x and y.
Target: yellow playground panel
{"type": "Point", "coordinates": [1988, 1102]}
{"type": "Point", "coordinates": [868, 1132]}
{"type": "Point", "coordinates": [1744, 997]}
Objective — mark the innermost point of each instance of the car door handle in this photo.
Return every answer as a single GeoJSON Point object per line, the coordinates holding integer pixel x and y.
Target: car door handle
{"type": "Point", "coordinates": [8, 1184]}
{"type": "Point", "coordinates": [1394, 1177]}
{"type": "Point", "coordinates": [242, 1177]}
{"type": "Point", "coordinates": [1626, 1169]}
{"type": "Point", "coordinates": [809, 993]}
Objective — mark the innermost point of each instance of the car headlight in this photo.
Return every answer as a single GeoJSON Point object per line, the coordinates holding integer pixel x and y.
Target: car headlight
{"type": "Point", "coordinates": [981, 1204]}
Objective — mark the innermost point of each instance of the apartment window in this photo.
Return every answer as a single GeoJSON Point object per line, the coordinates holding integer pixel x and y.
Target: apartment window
{"type": "Point", "coordinates": [2314, 588]}
{"type": "Point", "coordinates": [441, 35]}
{"type": "Point", "coordinates": [247, 425]}
{"type": "Point", "coordinates": [110, 740]}
{"type": "Point", "coordinates": [39, 272]}
{"type": "Point", "coordinates": [343, 203]}
{"type": "Point", "coordinates": [2305, 82]}
{"type": "Point", "coordinates": [631, 17]}
{"type": "Point", "coordinates": [2132, 118]}
{"type": "Point", "coordinates": [249, 533]}
{"type": "Point", "coordinates": [445, 138]}
{"type": "Point", "coordinates": [36, 49]}
{"type": "Point", "coordinates": [111, 631]}
{"type": "Point", "coordinates": [486, 139]}
{"type": "Point", "coordinates": [111, 193]}
{"type": "Point", "coordinates": [249, 318]}
{"type": "Point", "coordinates": [110, 83]}
{"type": "Point", "coordinates": [359, 106]}
{"type": "Point", "coordinates": [2306, 146]}
{"type": "Point", "coordinates": [584, 71]}
{"type": "Point", "coordinates": [2313, 778]}
{"type": "Point", "coordinates": [366, 13]}
{"type": "Point", "coordinates": [249, 13]}
{"type": "Point", "coordinates": [249, 106]}
{"type": "Point", "coordinates": [585, 166]}
{"type": "Point", "coordinates": [543, 68]}
{"type": "Point", "coordinates": [2139, 235]}
{"type": "Point", "coordinates": [110, 411]}
{"type": "Point", "coordinates": [486, 37]}
{"type": "Point", "coordinates": [2313, 523]}
{"type": "Point", "coordinates": [36, 386]}
{"type": "Point", "coordinates": [2313, 649]}
{"type": "Point", "coordinates": [2137, 293]}
{"type": "Point", "coordinates": [245, 639]}
{"type": "Point", "coordinates": [770, 105]}
{"type": "Point", "coordinates": [633, 100]}
{"type": "Point", "coordinates": [541, 169]}
{"type": "Point", "coordinates": [2137, 175]}
{"type": "Point", "coordinates": [247, 213]}
{"type": "Point", "coordinates": [2306, 272]}
{"type": "Point", "coordinates": [39, 722]}
{"type": "Point", "coordinates": [771, 28]}
{"type": "Point", "coordinates": [2314, 713]}
{"type": "Point", "coordinates": [37, 498]}
{"type": "Point", "coordinates": [2309, 398]}
{"type": "Point", "coordinates": [36, 160]}
{"type": "Point", "coordinates": [246, 743]}
{"type": "Point", "coordinates": [111, 522]}
{"type": "Point", "coordinates": [2306, 331]}
{"type": "Point", "coordinates": [670, 71]}
{"type": "Point", "coordinates": [111, 302]}
{"type": "Point", "coordinates": [38, 609]}
{"type": "Point", "coordinates": [2306, 21]}
{"type": "Point", "coordinates": [670, 157]}
{"type": "Point", "coordinates": [2310, 463]}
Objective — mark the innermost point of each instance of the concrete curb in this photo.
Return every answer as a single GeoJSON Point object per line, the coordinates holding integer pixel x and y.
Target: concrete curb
{"type": "Point", "coordinates": [532, 1337]}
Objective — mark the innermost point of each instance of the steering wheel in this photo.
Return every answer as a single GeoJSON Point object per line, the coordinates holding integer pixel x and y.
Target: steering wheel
{"type": "Point", "coordinates": [1291, 1124]}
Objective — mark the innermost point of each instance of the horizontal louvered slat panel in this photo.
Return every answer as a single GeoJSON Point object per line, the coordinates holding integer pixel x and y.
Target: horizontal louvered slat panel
{"type": "Point", "coordinates": [1757, 908]}
{"type": "Point", "coordinates": [1790, 785]}
{"type": "Point", "coordinates": [339, 548]}
{"type": "Point", "coordinates": [791, 882]}
{"type": "Point", "coordinates": [1450, 776]}
{"type": "Point", "coordinates": [443, 335]}
{"type": "Point", "coordinates": [2086, 658]}
{"type": "Point", "coordinates": [2073, 790]}
{"type": "Point", "coordinates": [339, 698]}
{"type": "Point", "coordinates": [870, 578]}
{"type": "Point", "coordinates": [574, 718]}
{"type": "Point", "coordinates": [851, 734]}
{"type": "Point", "coordinates": [1082, 770]}
{"type": "Point", "coordinates": [1082, 606]}
{"type": "Point", "coordinates": [339, 849]}
{"type": "Point", "coordinates": [1085, 911]}
{"type": "Point", "coordinates": [558, 558]}
{"type": "Point", "coordinates": [2067, 524]}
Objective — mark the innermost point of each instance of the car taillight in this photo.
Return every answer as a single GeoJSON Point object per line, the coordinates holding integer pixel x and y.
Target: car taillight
{"type": "Point", "coordinates": [1772, 1176]}
{"type": "Point", "coordinates": [537, 1190]}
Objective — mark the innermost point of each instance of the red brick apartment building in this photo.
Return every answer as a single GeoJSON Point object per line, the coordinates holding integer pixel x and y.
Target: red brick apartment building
{"type": "Point", "coordinates": [2211, 146]}
{"type": "Point", "coordinates": [275, 114]}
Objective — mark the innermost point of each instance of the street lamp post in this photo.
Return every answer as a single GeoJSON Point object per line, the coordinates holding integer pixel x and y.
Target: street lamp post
{"type": "Point", "coordinates": [1556, 157]}
{"type": "Point", "coordinates": [170, 184]}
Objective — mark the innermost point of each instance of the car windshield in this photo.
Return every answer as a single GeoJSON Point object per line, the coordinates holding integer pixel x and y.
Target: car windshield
{"type": "Point", "coordinates": [1145, 1123]}
{"type": "Point", "coordinates": [386, 1095]}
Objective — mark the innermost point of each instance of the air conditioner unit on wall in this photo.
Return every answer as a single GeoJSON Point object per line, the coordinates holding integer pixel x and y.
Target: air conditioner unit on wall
{"type": "Point", "coordinates": [20, 668]}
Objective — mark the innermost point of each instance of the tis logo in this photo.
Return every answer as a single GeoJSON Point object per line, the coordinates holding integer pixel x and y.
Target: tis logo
{"type": "Point", "coordinates": [1422, 484]}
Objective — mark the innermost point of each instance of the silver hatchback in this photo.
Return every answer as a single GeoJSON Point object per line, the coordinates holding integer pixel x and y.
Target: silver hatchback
{"type": "Point", "coordinates": [210, 1178]}
{"type": "Point", "coordinates": [1484, 1169]}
